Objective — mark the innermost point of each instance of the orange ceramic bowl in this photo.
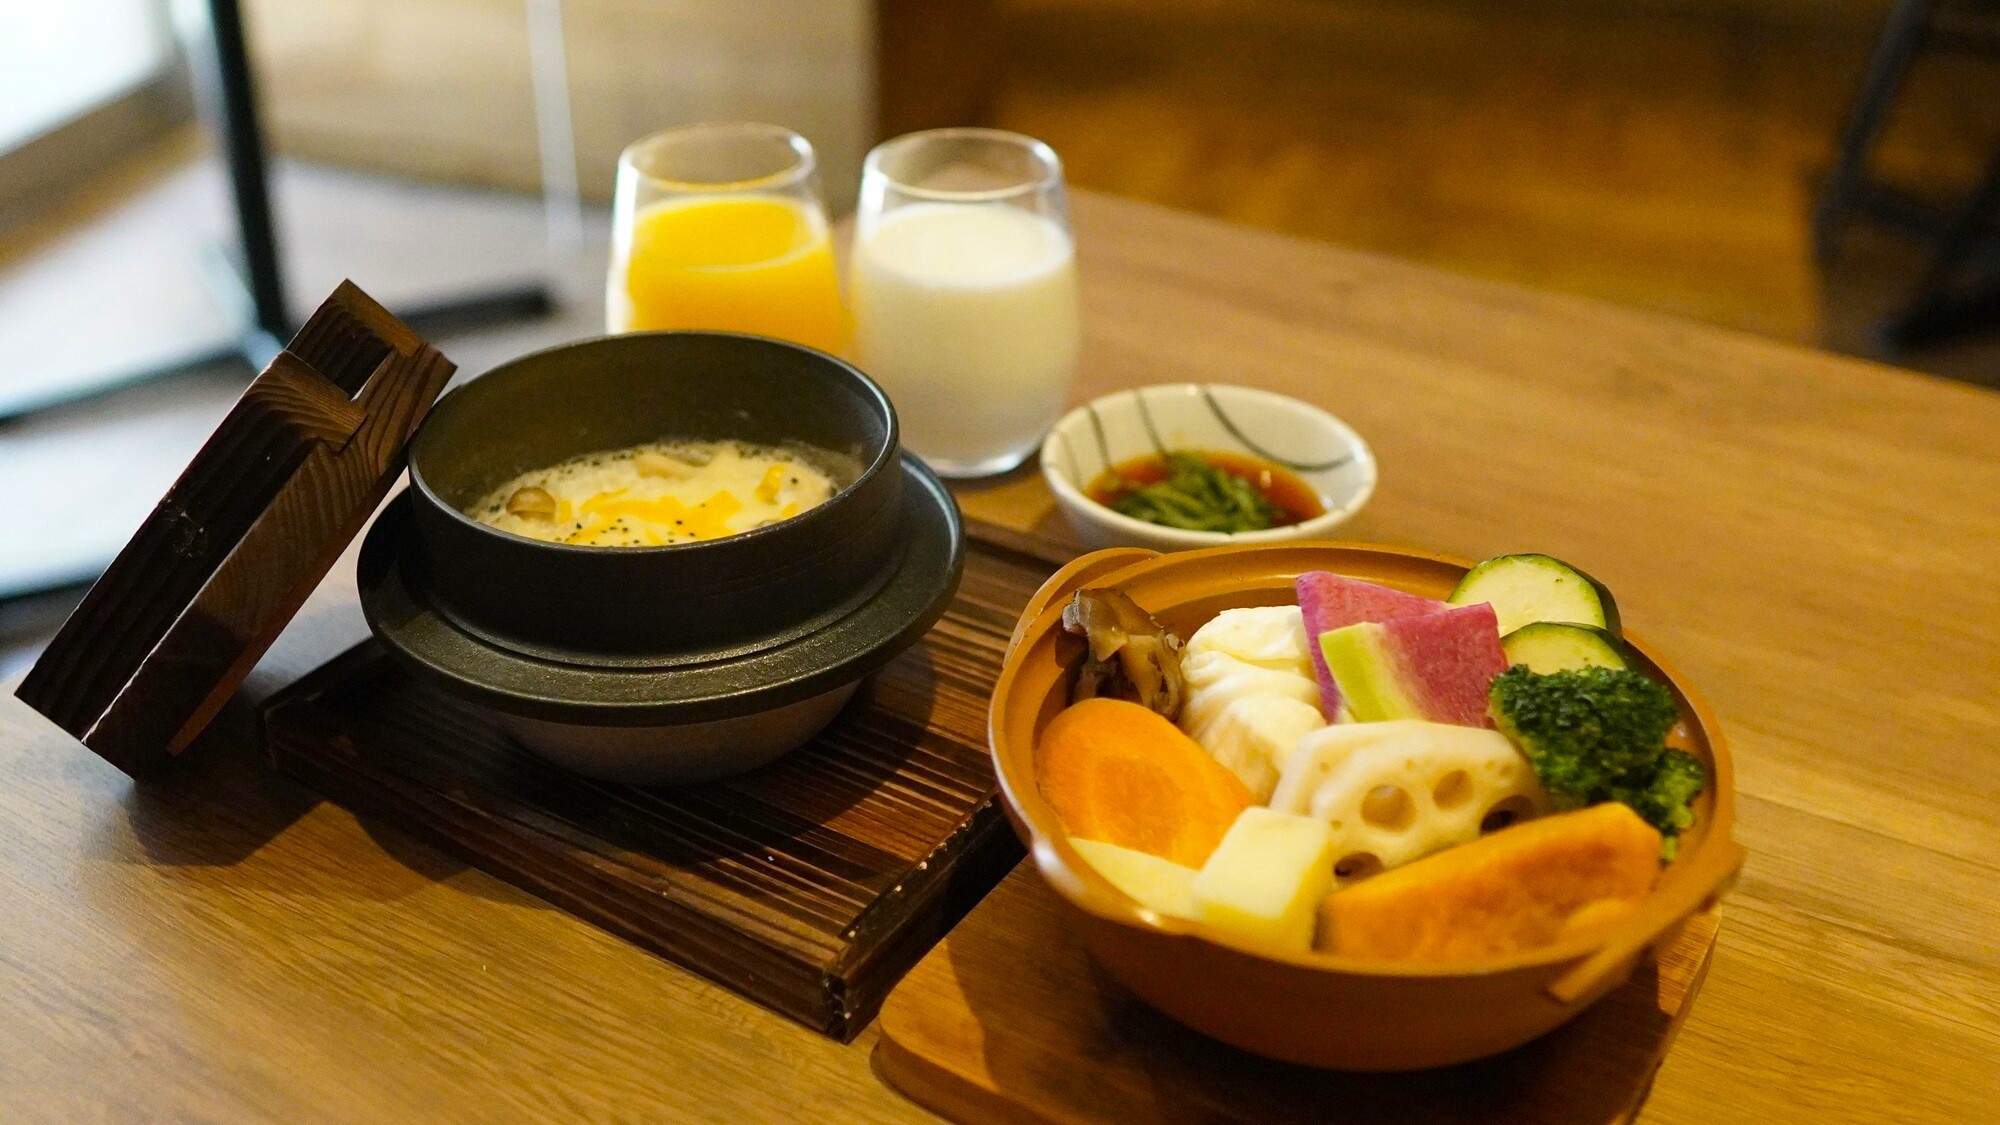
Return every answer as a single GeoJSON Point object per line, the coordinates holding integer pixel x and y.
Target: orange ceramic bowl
{"type": "Point", "coordinates": [1314, 1008]}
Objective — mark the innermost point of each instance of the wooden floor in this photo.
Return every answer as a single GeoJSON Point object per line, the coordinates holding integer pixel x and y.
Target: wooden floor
{"type": "Point", "coordinates": [1664, 160]}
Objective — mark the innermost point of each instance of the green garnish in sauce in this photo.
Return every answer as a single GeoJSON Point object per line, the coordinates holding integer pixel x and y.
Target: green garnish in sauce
{"type": "Point", "coordinates": [1194, 495]}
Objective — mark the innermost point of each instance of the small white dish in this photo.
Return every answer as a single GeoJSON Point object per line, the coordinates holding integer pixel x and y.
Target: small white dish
{"type": "Point", "coordinates": [1320, 448]}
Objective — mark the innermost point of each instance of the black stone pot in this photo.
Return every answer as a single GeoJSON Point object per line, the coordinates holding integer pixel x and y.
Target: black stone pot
{"type": "Point", "coordinates": [660, 664]}
{"type": "Point", "coordinates": [653, 605]}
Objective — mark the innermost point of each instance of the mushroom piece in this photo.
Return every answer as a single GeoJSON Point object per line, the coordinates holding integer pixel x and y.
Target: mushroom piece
{"type": "Point", "coordinates": [651, 464]}
{"type": "Point", "coordinates": [532, 503]}
{"type": "Point", "coordinates": [1131, 657]}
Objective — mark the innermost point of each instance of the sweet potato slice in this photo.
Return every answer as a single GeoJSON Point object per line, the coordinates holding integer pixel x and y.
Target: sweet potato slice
{"type": "Point", "coordinates": [1118, 773]}
{"type": "Point", "coordinates": [1519, 888]}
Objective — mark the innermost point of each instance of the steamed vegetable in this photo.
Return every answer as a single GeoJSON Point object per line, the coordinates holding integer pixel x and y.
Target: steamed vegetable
{"type": "Point", "coordinates": [1585, 729]}
{"type": "Point", "coordinates": [1398, 791]}
{"type": "Point", "coordinates": [1434, 666]}
{"type": "Point", "coordinates": [1554, 646]}
{"type": "Point", "coordinates": [1666, 798]}
{"type": "Point", "coordinates": [1599, 734]}
{"type": "Point", "coordinates": [1148, 880]}
{"type": "Point", "coordinates": [1527, 588]}
{"type": "Point", "coordinates": [1329, 601]}
{"type": "Point", "coordinates": [1119, 773]}
{"type": "Point", "coordinates": [1131, 657]}
{"type": "Point", "coordinates": [1266, 879]}
{"type": "Point", "coordinates": [1523, 887]}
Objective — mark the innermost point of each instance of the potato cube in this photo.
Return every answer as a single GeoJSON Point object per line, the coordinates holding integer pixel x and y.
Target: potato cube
{"type": "Point", "coordinates": [1265, 880]}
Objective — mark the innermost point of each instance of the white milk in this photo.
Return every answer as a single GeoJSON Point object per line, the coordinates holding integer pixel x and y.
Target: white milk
{"type": "Point", "coordinates": [966, 314]}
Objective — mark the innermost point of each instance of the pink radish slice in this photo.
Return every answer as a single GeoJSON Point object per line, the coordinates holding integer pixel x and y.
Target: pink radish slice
{"type": "Point", "coordinates": [1331, 601]}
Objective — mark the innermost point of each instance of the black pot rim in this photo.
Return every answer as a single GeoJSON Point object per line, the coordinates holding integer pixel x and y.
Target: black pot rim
{"type": "Point", "coordinates": [925, 576]}
{"type": "Point", "coordinates": [820, 513]}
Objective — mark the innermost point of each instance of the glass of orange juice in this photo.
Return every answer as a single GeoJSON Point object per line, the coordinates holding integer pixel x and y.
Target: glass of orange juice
{"type": "Point", "coordinates": [721, 226]}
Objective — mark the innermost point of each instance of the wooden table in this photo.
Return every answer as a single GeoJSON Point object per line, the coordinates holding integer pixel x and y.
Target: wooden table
{"type": "Point", "coordinates": [1814, 540]}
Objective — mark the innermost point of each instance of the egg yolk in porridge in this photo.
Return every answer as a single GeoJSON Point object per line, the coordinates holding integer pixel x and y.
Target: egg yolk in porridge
{"type": "Point", "coordinates": [660, 494]}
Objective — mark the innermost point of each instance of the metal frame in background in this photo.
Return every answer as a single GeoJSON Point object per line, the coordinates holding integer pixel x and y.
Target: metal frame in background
{"type": "Point", "coordinates": [1959, 292]}
{"type": "Point", "coordinates": [249, 279]}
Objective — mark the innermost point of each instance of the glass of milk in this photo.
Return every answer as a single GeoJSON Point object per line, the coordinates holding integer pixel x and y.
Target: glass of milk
{"type": "Point", "coordinates": [962, 285]}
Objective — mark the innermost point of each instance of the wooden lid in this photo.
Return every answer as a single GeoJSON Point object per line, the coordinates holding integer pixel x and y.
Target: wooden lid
{"type": "Point", "coordinates": [235, 546]}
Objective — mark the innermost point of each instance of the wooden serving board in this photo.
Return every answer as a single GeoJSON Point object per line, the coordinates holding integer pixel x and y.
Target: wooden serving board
{"type": "Point", "coordinates": [809, 886]}
{"type": "Point", "coordinates": [1009, 1020]}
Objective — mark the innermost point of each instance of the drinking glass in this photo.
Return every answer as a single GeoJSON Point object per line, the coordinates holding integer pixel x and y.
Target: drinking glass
{"type": "Point", "coordinates": [722, 226]}
{"type": "Point", "coordinates": [963, 283]}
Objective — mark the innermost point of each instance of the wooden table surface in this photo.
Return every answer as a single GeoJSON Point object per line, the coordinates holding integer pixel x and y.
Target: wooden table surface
{"type": "Point", "coordinates": [1815, 541]}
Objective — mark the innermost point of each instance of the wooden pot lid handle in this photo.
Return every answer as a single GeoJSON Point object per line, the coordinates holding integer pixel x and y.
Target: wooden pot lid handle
{"type": "Point", "coordinates": [253, 523]}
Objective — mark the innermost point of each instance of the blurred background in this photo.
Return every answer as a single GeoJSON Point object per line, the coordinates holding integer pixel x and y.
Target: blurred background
{"type": "Point", "coordinates": [1817, 172]}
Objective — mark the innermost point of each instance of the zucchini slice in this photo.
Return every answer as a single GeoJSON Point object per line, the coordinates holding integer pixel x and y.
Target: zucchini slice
{"type": "Point", "coordinates": [1559, 646]}
{"type": "Point", "coordinates": [1527, 588]}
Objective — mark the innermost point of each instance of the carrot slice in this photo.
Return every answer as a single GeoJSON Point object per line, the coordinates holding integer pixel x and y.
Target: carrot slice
{"type": "Point", "coordinates": [1119, 773]}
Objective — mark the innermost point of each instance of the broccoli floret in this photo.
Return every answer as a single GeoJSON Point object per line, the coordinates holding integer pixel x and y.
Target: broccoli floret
{"type": "Point", "coordinates": [1583, 729]}
{"type": "Point", "coordinates": [1664, 798]}
{"type": "Point", "coordinates": [1599, 734]}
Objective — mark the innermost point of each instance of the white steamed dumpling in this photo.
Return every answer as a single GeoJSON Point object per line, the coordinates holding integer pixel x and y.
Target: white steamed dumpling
{"type": "Point", "coordinates": [1255, 736]}
{"type": "Point", "coordinates": [1271, 635]}
{"type": "Point", "coordinates": [1216, 680]}
{"type": "Point", "coordinates": [1251, 691]}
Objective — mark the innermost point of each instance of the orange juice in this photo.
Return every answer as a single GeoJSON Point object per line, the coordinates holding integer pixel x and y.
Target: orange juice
{"type": "Point", "coordinates": [738, 263]}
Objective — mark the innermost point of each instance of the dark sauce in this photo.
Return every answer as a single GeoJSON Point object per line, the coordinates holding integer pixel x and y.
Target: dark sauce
{"type": "Point", "coordinates": [1295, 500]}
